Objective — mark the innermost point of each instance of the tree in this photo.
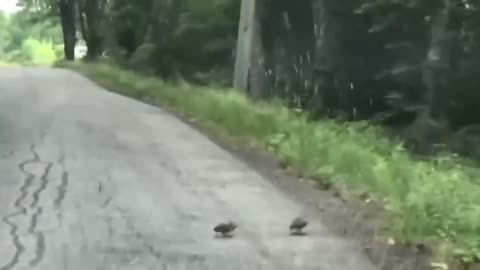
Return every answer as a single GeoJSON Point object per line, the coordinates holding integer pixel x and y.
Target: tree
{"type": "Point", "coordinates": [67, 19]}
{"type": "Point", "coordinates": [91, 13]}
{"type": "Point", "coordinates": [191, 38]}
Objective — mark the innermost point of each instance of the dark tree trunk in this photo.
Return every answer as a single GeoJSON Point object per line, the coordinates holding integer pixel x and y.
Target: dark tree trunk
{"type": "Point", "coordinates": [257, 78]}
{"type": "Point", "coordinates": [432, 119]}
{"type": "Point", "coordinates": [90, 14]}
{"type": "Point", "coordinates": [67, 18]}
{"type": "Point", "coordinates": [144, 33]}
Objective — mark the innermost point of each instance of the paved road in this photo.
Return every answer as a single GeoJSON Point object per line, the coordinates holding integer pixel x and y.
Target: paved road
{"type": "Point", "coordinates": [92, 180]}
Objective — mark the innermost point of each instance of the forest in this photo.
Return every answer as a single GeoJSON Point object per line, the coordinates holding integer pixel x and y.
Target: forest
{"type": "Point", "coordinates": [374, 96]}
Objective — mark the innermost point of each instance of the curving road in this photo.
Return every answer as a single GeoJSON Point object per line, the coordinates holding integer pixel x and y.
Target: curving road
{"type": "Point", "coordinates": [92, 180]}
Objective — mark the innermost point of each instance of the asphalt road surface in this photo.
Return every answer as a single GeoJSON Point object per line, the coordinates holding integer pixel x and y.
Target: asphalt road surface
{"type": "Point", "coordinates": [92, 180]}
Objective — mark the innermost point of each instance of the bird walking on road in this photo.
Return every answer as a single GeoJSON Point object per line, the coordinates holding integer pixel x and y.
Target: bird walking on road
{"type": "Point", "coordinates": [297, 225]}
{"type": "Point", "coordinates": [225, 229]}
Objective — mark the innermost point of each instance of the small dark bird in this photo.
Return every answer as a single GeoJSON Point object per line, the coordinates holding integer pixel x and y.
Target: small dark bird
{"type": "Point", "coordinates": [298, 224]}
{"type": "Point", "coordinates": [225, 228]}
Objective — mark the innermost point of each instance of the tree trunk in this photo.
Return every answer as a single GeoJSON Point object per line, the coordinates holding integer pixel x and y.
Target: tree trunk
{"type": "Point", "coordinates": [249, 73]}
{"type": "Point", "coordinates": [432, 119]}
{"type": "Point", "coordinates": [244, 45]}
{"type": "Point", "coordinates": [145, 32]}
{"type": "Point", "coordinates": [257, 75]}
{"type": "Point", "coordinates": [90, 14]}
{"type": "Point", "coordinates": [437, 58]}
{"type": "Point", "coordinates": [67, 18]}
{"type": "Point", "coordinates": [325, 57]}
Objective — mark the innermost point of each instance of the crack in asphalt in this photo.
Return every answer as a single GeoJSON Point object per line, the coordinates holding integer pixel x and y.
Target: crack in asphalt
{"type": "Point", "coordinates": [61, 188]}
{"type": "Point", "coordinates": [19, 247]}
{"type": "Point", "coordinates": [40, 251]}
{"type": "Point", "coordinates": [22, 210]}
{"type": "Point", "coordinates": [40, 245]}
{"type": "Point", "coordinates": [43, 186]}
{"type": "Point", "coordinates": [39, 236]}
{"type": "Point", "coordinates": [105, 204]}
{"type": "Point", "coordinates": [24, 193]}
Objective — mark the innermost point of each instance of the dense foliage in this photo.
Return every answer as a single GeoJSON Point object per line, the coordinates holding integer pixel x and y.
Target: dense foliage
{"type": "Point", "coordinates": [24, 40]}
{"type": "Point", "coordinates": [169, 37]}
{"type": "Point", "coordinates": [410, 65]}
{"type": "Point", "coordinates": [195, 39]}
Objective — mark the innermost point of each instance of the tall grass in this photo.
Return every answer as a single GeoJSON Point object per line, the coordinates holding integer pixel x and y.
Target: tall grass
{"type": "Point", "coordinates": [433, 200]}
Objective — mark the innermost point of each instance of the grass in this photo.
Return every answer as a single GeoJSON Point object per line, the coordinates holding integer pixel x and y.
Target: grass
{"type": "Point", "coordinates": [433, 201]}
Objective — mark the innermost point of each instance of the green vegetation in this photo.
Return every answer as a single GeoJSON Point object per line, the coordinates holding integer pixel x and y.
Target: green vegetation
{"type": "Point", "coordinates": [25, 41]}
{"type": "Point", "coordinates": [435, 200]}
{"type": "Point", "coordinates": [410, 66]}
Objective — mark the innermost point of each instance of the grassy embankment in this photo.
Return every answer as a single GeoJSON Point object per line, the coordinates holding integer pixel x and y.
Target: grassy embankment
{"type": "Point", "coordinates": [435, 201]}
